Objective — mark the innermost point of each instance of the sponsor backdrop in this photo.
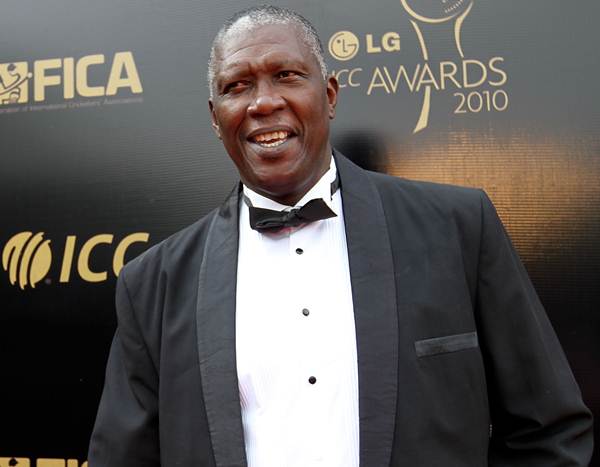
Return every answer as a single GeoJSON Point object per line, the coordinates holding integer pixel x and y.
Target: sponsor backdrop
{"type": "Point", "coordinates": [106, 149]}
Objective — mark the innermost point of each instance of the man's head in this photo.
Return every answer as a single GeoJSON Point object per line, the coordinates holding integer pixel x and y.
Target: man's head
{"type": "Point", "coordinates": [271, 101]}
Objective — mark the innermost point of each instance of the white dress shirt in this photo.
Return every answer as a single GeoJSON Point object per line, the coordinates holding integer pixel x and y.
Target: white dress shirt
{"type": "Point", "coordinates": [296, 340]}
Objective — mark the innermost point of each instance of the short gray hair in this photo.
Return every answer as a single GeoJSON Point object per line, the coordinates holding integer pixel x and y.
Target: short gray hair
{"type": "Point", "coordinates": [263, 15]}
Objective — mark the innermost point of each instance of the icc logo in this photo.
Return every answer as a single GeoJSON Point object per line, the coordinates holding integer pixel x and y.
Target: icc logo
{"type": "Point", "coordinates": [13, 83]}
{"type": "Point", "coordinates": [27, 257]}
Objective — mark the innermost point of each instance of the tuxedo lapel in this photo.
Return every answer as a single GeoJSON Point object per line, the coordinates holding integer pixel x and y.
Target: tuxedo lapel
{"type": "Point", "coordinates": [215, 323]}
{"type": "Point", "coordinates": [375, 313]}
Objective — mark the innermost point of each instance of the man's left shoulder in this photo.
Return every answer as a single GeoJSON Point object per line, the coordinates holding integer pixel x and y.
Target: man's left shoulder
{"type": "Point", "coordinates": [428, 197]}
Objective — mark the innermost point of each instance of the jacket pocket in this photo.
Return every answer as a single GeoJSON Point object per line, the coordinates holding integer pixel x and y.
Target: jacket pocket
{"type": "Point", "coordinates": [446, 344]}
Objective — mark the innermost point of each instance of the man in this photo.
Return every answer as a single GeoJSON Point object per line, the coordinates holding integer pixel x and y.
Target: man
{"type": "Point", "coordinates": [386, 323]}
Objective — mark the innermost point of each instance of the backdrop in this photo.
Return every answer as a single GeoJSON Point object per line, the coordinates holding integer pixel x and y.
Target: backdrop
{"type": "Point", "coordinates": [106, 149]}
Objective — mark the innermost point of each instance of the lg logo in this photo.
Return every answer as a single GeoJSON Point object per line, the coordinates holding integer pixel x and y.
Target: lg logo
{"type": "Point", "coordinates": [344, 45]}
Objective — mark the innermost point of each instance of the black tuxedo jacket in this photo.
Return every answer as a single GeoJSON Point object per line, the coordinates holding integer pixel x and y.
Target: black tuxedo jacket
{"type": "Point", "coordinates": [458, 365]}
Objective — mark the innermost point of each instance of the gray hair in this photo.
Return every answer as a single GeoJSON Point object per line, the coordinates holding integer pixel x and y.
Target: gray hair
{"type": "Point", "coordinates": [263, 15]}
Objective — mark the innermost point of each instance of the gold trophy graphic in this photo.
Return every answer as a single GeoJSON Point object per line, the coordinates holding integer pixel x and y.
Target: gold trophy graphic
{"type": "Point", "coordinates": [435, 12]}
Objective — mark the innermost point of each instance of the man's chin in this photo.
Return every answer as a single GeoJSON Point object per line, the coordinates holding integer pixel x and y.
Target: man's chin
{"type": "Point", "coordinates": [277, 172]}
{"type": "Point", "coordinates": [282, 190]}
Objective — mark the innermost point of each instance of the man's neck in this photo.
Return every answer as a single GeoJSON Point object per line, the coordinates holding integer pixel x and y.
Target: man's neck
{"type": "Point", "coordinates": [292, 199]}
{"type": "Point", "coordinates": [320, 189]}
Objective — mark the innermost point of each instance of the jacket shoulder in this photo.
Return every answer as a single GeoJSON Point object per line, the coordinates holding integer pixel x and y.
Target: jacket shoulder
{"type": "Point", "coordinates": [431, 198]}
{"type": "Point", "coordinates": [175, 254]}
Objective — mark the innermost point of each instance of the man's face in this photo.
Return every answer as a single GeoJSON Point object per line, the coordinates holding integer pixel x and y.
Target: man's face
{"type": "Point", "coordinates": [271, 107]}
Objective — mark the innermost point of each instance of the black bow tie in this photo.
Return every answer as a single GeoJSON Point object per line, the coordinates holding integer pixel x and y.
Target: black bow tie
{"type": "Point", "coordinates": [268, 220]}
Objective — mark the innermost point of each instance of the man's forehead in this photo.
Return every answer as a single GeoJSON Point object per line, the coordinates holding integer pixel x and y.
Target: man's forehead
{"type": "Point", "coordinates": [250, 35]}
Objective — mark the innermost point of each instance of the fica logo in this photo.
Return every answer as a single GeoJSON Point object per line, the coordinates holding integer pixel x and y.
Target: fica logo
{"type": "Point", "coordinates": [27, 257]}
{"type": "Point", "coordinates": [13, 83]}
{"type": "Point", "coordinates": [71, 76]}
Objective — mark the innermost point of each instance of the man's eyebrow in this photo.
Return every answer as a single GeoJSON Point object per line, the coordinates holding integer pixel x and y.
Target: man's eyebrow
{"type": "Point", "coordinates": [234, 65]}
{"type": "Point", "coordinates": [240, 67]}
{"type": "Point", "coordinates": [288, 62]}
{"type": "Point", "coordinates": [233, 70]}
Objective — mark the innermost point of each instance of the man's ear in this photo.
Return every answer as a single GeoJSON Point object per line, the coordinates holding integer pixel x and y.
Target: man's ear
{"type": "Point", "coordinates": [213, 117]}
{"type": "Point", "coordinates": [332, 92]}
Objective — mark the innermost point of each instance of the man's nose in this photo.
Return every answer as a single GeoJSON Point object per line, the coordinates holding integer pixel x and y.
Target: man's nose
{"type": "Point", "coordinates": [266, 100]}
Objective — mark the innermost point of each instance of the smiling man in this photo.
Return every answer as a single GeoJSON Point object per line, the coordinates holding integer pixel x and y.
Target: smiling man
{"type": "Point", "coordinates": [271, 105]}
{"type": "Point", "coordinates": [325, 315]}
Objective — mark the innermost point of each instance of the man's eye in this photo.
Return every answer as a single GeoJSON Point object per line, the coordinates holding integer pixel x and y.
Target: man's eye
{"type": "Point", "coordinates": [287, 74]}
{"type": "Point", "coordinates": [235, 86]}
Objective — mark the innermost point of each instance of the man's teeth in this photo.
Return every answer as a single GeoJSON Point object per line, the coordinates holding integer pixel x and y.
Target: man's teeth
{"type": "Point", "coordinates": [272, 139]}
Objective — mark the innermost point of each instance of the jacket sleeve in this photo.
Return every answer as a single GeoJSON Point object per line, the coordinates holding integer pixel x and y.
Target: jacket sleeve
{"type": "Point", "coordinates": [126, 429]}
{"type": "Point", "coordinates": [538, 416]}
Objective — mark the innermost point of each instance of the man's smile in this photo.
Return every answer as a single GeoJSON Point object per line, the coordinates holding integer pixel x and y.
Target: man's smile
{"type": "Point", "coordinates": [271, 138]}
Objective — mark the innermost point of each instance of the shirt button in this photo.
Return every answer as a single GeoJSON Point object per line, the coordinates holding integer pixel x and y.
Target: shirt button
{"type": "Point", "coordinates": [305, 312]}
{"type": "Point", "coordinates": [312, 380]}
{"type": "Point", "coordinates": [299, 251]}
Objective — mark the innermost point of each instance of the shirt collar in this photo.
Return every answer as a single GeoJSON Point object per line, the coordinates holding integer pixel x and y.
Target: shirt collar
{"type": "Point", "coordinates": [321, 189]}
